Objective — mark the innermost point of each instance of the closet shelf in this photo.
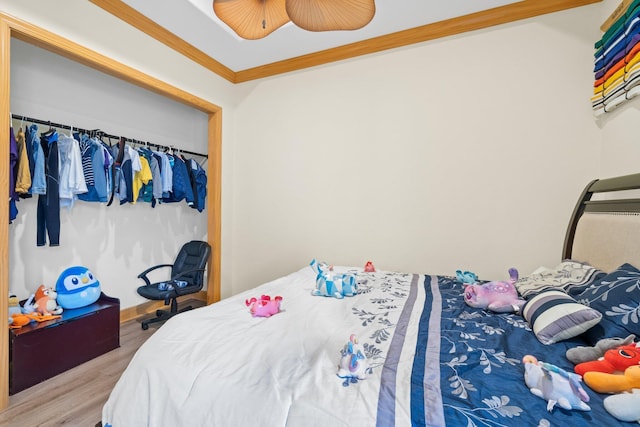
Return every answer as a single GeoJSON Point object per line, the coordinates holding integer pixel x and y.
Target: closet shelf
{"type": "Point", "coordinates": [98, 132]}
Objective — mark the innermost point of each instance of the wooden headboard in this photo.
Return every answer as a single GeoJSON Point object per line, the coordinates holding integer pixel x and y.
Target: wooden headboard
{"type": "Point", "coordinates": [604, 230]}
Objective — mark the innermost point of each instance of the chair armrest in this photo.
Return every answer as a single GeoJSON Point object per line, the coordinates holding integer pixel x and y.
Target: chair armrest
{"type": "Point", "coordinates": [178, 276]}
{"type": "Point", "coordinates": [143, 275]}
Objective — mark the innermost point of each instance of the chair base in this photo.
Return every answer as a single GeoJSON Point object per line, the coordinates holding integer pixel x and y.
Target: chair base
{"type": "Point", "coordinates": [164, 315]}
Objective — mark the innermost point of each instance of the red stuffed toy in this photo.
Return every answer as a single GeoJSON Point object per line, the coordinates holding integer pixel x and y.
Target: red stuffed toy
{"type": "Point", "coordinates": [617, 359]}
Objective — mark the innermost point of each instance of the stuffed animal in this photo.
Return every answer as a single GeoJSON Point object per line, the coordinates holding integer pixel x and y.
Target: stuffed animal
{"type": "Point", "coordinates": [14, 305]}
{"type": "Point", "coordinates": [45, 301]}
{"type": "Point", "coordinates": [555, 385]}
{"type": "Point", "coordinates": [614, 360]}
{"type": "Point", "coordinates": [18, 320]}
{"type": "Point", "coordinates": [624, 406]}
{"type": "Point", "coordinates": [264, 307]}
{"type": "Point", "coordinates": [466, 277]}
{"type": "Point", "coordinates": [353, 362]}
{"type": "Point", "coordinates": [330, 284]}
{"type": "Point", "coordinates": [583, 354]}
{"type": "Point", "coordinates": [22, 319]}
{"type": "Point", "coordinates": [369, 267]}
{"type": "Point", "coordinates": [613, 383]}
{"type": "Point", "coordinates": [77, 287]}
{"type": "Point", "coordinates": [500, 297]}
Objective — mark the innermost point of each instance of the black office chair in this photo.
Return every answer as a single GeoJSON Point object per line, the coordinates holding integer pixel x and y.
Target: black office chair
{"type": "Point", "coordinates": [187, 277]}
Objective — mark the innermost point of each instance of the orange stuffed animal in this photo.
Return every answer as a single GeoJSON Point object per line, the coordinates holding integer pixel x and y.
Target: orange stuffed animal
{"type": "Point", "coordinates": [614, 360]}
{"type": "Point", "coordinates": [46, 301]}
{"type": "Point", "coordinates": [614, 383]}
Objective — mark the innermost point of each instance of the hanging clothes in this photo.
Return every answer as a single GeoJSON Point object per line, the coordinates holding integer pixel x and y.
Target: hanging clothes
{"type": "Point", "coordinates": [181, 185]}
{"type": "Point", "coordinates": [96, 162]}
{"type": "Point", "coordinates": [38, 177]}
{"type": "Point", "coordinates": [48, 213]}
{"type": "Point", "coordinates": [199, 184]}
{"type": "Point", "coordinates": [152, 189]}
{"type": "Point", "coordinates": [141, 179]}
{"type": "Point", "coordinates": [22, 173]}
{"type": "Point", "coordinates": [136, 168]}
{"type": "Point", "coordinates": [71, 174]}
{"type": "Point", "coordinates": [166, 173]}
{"type": "Point", "coordinates": [13, 160]}
{"type": "Point", "coordinates": [30, 158]}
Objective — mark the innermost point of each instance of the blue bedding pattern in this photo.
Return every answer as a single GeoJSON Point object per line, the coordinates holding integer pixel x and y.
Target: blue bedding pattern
{"type": "Point", "coordinates": [468, 368]}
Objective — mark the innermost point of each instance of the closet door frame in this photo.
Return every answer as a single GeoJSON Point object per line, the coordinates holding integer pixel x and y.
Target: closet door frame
{"type": "Point", "coordinates": [13, 27]}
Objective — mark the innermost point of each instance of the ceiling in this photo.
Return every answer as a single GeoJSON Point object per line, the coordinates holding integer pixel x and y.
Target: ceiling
{"type": "Point", "coordinates": [191, 27]}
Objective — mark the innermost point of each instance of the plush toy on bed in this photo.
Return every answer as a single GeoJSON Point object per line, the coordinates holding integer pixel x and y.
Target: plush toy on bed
{"type": "Point", "coordinates": [369, 267]}
{"type": "Point", "coordinates": [603, 382]}
{"type": "Point", "coordinates": [555, 385]}
{"type": "Point", "coordinates": [353, 364]}
{"type": "Point", "coordinates": [624, 406]}
{"type": "Point", "coordinates": [497, 296]}
{"type": "Point", "coordinates": [264, 307]}
{"type": "Point", "coordinates": [330, 284]}
{"type": "Point", "coordinates": [583, 354]}
{"type": "Point", "coordinates": [466, 277]}
{"type": "Point", "coordinates": [614, 360]}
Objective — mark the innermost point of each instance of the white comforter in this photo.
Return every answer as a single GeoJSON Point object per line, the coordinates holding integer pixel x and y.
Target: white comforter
{"type": "Point", "coordinates": [219, 366]}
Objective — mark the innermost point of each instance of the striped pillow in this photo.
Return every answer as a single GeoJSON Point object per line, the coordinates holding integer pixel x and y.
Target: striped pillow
{"type": "Point", "coordinates": [555, 316]}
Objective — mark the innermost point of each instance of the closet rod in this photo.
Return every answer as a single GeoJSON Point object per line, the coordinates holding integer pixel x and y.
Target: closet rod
{"type": "Point", "coordinates": [102, 133]}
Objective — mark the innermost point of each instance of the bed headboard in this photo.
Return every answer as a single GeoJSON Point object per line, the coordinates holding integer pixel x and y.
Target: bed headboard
{"type": "Point", "coordinates": [604, 230]}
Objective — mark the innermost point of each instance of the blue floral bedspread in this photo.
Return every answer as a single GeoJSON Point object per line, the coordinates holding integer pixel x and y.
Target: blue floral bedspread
{"type": "Point", "coordinates": [467, 369]}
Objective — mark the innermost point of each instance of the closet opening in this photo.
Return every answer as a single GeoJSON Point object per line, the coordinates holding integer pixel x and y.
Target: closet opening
{"type": "Point", "coordinates": [12, 29]}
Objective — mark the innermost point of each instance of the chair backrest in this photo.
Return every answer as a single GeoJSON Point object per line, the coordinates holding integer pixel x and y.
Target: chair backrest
{"type": "Point", "coordinates": [193, 255]}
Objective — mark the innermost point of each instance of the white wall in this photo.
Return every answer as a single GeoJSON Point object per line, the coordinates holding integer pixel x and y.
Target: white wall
{"type": "Point", "coordinates": [462, 153]}
{"type": "Point", "coordinates": [466, 152]}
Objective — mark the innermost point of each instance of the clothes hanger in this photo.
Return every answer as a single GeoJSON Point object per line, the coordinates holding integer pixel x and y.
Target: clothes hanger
{"type": "Point", "coordinates": [50, 131]}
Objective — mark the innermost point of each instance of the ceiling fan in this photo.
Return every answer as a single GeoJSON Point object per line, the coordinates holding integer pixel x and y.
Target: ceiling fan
{"type": "Point", "coordinates": [255, 19]}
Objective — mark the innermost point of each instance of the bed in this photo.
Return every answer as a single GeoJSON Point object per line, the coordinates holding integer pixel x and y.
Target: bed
{"type": "Point", "coordinates": [433, 360]}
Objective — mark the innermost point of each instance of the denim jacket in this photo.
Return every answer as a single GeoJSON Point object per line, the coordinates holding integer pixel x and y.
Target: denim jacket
{"type": "Point", "coordinates": [38, 183]}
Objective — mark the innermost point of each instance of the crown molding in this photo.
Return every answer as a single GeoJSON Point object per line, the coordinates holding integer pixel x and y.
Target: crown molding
{"type": "Point", "coordinates": [475, 21]}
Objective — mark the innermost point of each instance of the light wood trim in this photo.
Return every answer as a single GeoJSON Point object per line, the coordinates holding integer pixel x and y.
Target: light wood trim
{"type": "Point", "coordinates": [5, 54]}
{"type": "Point", "coordinates": [13, 27]}
{"type": "Point", "coordinates": [54, 43]}
{"type": "Point", "coordinates": [449, 27]}
{"type": "Point", "coordinates": [500, 15]}
{"type": "Point", "coordinates": [137, 20]}
{"type": "Point", "coordinates": [214, 206]}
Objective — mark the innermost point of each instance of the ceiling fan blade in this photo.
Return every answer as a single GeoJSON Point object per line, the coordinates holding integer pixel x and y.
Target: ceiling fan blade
{"type": "Point", "coordinates": [330, 15]}
{"type": "Point", "coordinates": [252, 19]}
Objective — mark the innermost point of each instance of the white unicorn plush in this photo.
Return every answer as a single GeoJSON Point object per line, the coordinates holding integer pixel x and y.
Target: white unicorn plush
{"type": "Point", "coordinates": [353, 364]}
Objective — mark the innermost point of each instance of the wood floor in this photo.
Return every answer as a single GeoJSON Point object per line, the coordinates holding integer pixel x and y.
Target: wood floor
{"type": "Point", "coordinates": [75, 398]}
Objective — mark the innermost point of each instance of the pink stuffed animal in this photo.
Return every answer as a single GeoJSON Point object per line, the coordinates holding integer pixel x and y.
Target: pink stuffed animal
{"type": "Point", "coordinates": [264, 307]}
{"type": "Point", "coordinates": [501, 297]}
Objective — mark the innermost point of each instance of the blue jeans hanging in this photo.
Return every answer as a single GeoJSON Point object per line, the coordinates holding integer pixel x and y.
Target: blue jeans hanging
{"type": "Point", "coordinates": [48, 214]}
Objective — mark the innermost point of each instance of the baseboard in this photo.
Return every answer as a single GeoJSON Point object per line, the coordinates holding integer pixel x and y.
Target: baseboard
{"type": "Point", "coordinates": [143, 309]}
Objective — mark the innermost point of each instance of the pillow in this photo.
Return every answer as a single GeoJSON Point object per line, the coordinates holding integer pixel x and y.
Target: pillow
{"type": "Point", "coordinates": [555, 316]}
{"type": "Point", "coordinates": [569, 276]}
{"type": "Point", "coordinates": [617, 297]}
